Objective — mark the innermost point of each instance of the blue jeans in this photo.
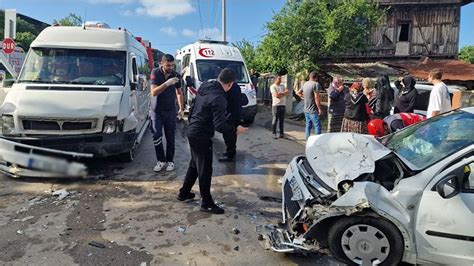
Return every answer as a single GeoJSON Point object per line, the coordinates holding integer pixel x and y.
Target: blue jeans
{"type": "Point", "coordinates": [312, 120]}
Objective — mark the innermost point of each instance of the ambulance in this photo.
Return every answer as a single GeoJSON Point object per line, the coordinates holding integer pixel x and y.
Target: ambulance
{"type": "Point", "coordinates": [203, 61]}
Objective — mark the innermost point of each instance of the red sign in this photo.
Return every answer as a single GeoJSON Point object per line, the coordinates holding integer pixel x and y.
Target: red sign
{"type": "Point", "coordinates": [8, 46]}
{"type": "Point", "coordinates": [206, 52]}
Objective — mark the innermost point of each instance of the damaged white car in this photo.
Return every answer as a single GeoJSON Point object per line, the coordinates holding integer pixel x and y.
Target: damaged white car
{"type": "Point", "coordinates": [407, 197]}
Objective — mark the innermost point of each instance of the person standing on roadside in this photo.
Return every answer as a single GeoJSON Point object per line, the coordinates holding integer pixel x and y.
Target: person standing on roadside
{"type": "Point", "coordinates": [440, 102]}
{"type": "Point", "coordinates": [312, 105]}
{"type": "Point", "coordinates": [356, 117]}
{"type": "Point", "coordinates": [165, 86]}
{"type": "Point", "coordinates": [406, 96]}
{"type": "Point", "coordinates": [206, 115]}
{"type": "Point", "coordinates": [382, 100]}
{"type": "Point", "coordinates": [234, 109]}
{"type": "Point", "coordinates": [336, 93]}
{"type": "Point", "coordinates": [279, 93]}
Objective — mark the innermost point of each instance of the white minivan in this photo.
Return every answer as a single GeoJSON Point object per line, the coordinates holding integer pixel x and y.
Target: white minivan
{"type": "Point", "coordinates": [81, 89]}
{"type": "Point", "coordinates": [203, 60]}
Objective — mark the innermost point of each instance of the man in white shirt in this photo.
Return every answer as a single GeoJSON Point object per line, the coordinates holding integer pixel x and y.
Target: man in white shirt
{"type": "Point", "coordinates": [279, 93]}
{"type": "Point", "coordinates": [440, 101]}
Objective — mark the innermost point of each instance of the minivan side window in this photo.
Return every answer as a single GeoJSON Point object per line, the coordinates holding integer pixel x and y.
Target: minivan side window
{"type": "Point", "coordinates": [134, 69]}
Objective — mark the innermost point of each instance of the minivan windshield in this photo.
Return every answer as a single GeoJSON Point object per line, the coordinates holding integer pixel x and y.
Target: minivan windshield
{"type": "Point", "coordinates": [210, 69]}
{"type": "Point", "coordinates": [430, 141]}
{"type": "Point", "coordinates": [74, 66]}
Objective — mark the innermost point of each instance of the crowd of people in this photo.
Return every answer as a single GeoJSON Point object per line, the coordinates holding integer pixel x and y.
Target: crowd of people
{"type": "Point", "coordinates": [366, 107]}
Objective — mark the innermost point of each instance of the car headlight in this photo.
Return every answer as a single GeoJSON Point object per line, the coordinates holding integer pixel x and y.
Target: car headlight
{"type": "Point", "coordinates": [110, 125]}
{"type": "Point", "coordinates": [8, 126]}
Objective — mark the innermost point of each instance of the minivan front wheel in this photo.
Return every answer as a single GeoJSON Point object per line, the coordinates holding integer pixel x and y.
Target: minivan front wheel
{"type": "Point", "coordinates": [366, 241]}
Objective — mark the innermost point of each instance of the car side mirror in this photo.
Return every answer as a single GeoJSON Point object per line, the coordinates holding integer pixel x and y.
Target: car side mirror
{"type": "Point", "coordinates": [448, 187]}
{"type": "Point", "coordinates": [189, 81]}
{"type": "Point", "coordinates": [133, 85]}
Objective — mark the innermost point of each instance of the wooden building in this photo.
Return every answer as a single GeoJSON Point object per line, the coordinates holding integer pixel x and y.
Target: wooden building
{"type": "Point", "coordinates": [412, 29]}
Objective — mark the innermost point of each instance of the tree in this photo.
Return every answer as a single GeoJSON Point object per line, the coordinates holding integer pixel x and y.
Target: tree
{"type": "Point", "coordinates": [24, 39]}
{"type": "Point", "coordinates": [467, 54]}
{"type": "Point", "coordinates": [71, 20]}
{"type": "Point", "coordinates": [248, 52]}
{"type": "Point", "coordinates": [306, 30]}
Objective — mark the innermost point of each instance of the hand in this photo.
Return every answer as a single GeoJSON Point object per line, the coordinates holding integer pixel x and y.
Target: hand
{"type": "Point", "coordinates": [366, 92]}
{"type": "Point", "coordinates": [171, 81]}
{"type": "Point", "coordinates": [320, 112]}
{"type": "Point", "coordinates": [340, 88]}
{"type": "Point", "coordinates": [241, 130]}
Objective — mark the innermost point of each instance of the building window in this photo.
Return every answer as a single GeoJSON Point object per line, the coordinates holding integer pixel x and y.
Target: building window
{"type": "Point", "coordinates": [404, 30]}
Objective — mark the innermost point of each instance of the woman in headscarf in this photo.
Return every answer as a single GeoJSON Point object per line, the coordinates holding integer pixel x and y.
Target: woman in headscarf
{"type": "Point", "coordinates": [406, 96]}
{"type": "Point", "coordinates": [382, 98]}
{"type": "Point", "coordinates": [355, 116]}
{"type": "Point", "coordinates": [337, 106]}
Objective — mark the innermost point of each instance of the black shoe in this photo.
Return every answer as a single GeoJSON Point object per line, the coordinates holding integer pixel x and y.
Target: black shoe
{"type": "Point", "coordinates": [226, 159]}
{"type": "Point", "coordinates": [189, 196]}
{"type": "Point", "coordinates": [212, 208]}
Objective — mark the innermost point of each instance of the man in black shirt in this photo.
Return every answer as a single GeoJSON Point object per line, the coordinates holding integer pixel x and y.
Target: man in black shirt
{"type": "Point", "coordinates": [207, 114]}
{"type": "Point", "coordinates": [234, 109]}
{"type": "Point", "coordinates": [165, 86]}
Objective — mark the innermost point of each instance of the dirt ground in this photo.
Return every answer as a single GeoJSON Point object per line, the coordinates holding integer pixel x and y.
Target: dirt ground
{"type": "Point", "coordinates": [125, 214]}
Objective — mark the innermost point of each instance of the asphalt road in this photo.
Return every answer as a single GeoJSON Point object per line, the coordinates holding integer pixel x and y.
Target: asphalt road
{"type": "Point", "coordinates": [125, 214]}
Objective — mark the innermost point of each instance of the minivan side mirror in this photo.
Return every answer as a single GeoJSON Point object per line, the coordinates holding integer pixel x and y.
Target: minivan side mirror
{"type": "Point", "coordinates": [448, 187]}
{"type": "Point", "coordinates": [189, 81]}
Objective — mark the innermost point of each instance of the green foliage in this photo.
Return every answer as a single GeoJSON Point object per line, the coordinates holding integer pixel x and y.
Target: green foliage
{"type": "Point", "coordinates": [71, 20]}
{"type": "Point", "coordinates": [248, 51]}
{"type": "Point", "coordinates": [24, 39]}
{"type": "Point", "coordinates": [304, 31]}
{"type": "Point", "coordinates": [467, 54]}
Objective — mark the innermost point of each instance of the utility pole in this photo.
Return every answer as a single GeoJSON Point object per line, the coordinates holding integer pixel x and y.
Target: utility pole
{"type": "Point", "coordinates": [223, 22]}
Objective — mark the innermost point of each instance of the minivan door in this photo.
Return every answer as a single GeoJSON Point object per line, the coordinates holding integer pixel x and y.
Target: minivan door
{"type": "Point", "coordinates": [445, 218]}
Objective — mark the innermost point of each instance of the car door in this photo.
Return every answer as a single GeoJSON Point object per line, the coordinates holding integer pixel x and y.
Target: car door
{"type": "Point", "coordinates": [445, 218]}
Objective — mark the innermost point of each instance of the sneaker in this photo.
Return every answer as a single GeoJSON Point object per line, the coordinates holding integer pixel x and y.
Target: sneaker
{"type": "Point", "coordinates": [170, 167]}
{"type": "Point", "coordinates": [159, 166]}
{"type": "Point", "coordinates": [212, 208]}
{"type": "Point", "coordinates": [189, 196]}
{"type": "Point", "coordinates": [282, 136]}
{"type": "Point", "coordinates": [275, 136]}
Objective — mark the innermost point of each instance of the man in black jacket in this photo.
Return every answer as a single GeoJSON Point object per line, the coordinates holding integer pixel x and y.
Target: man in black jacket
{"type": "Point", "coordinates": [234, 109]}
{"type": "Point", "coordinates": [407, 95]}
{"type": "Point", "coordinates": [207, 114]}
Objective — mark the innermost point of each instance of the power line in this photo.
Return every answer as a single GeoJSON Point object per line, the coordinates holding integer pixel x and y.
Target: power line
{"type": "Point", "coordinates": [200, 15]}
{"type": "Point", "coordinates": [214, 14]}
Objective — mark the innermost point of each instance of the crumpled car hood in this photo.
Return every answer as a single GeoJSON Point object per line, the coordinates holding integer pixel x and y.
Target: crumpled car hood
{"type": "Point", "coordinates": [336, 157]}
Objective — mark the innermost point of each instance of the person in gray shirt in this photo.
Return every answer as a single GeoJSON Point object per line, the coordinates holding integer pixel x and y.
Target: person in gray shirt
{"type": "Point", "coordinates": [312, 106]}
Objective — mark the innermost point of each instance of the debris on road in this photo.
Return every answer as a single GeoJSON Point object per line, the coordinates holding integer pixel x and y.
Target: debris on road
{"type": "Point", "coordinates": [24, 219]}
{"type": "Point", "coordinates": [62, 193]}
{"type": "Point", "coordinates": [181, 229]}
{"type": "Point", "coordinates": [96, 244]}
{"type": "Point", "coordinates": [20, 232]}
{"type": "Point", "coordinates": [236, 216]}
{"type": "Point", "coordinates": [236, 248]}
{"type": "Point", "coordinates": [271, 199]}
{"type": "Point", "coordinates": [235, 231]}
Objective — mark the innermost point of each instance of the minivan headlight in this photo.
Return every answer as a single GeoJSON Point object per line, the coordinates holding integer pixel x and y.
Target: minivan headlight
{"type": "Point", "coordinates": [110, 125]}
{"type": "Point", "coordinates": [7, 125]}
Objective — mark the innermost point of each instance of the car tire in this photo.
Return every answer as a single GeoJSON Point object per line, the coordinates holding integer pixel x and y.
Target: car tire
{"type": "Point", "coordinates": [127, 157]}
{"type": "Point", "coordinates": [350, 239]}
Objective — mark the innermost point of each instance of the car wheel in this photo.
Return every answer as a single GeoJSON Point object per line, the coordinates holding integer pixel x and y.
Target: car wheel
{"type": "Point", "coordinates": [366, 241]}
{"type": "Point", "coordinates": [127, 157]}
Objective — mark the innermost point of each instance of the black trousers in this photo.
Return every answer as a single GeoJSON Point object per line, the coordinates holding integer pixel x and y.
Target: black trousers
{"type": "Point", "coordinates": [164, 120]}
{"type": "Point", "coordinates": [230, 141]}
{"type": "Point", "coordinates": [278, 116]}
{"type": "Point", "coordinates": [199, 166]}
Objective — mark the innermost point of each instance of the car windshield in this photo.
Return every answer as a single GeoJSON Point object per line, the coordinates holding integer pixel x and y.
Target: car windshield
{"type": "Point", "coordinates": [74, 66]}
{"type": "Point", "coordinates": [430, 141]}
{"type": "Point", "coordinates": [210, 69]}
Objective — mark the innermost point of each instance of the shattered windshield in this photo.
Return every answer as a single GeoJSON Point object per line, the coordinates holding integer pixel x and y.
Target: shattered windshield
{"type": "Point", "coordinates": [210, 69]}
{"type": "Point", "coordinates": [74, 66]}
{"type": "Point", "coordinates": [432, 140]}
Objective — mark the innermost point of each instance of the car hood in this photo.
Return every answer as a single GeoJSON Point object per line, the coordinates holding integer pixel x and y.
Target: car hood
{"type": "Point", "coordinates": [64, 104]}
{"type": "Point", "coordinates": [336, 157]}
